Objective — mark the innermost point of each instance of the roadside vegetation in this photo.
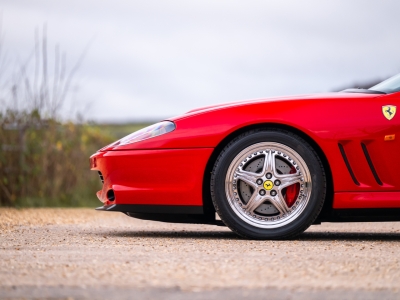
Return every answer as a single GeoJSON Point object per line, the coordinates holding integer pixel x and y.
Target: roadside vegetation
{"type": "Point", "coordinates": [45, 162]}
{"type": "Point", "coordinates": [44, 157]}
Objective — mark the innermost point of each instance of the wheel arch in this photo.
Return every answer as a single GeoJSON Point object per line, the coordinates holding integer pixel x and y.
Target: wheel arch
{"type": "Point", "coordinates": [207, 201]}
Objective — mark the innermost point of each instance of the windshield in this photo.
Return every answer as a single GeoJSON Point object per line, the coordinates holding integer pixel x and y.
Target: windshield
{"type": "Point", "coordinates": [388, 86]}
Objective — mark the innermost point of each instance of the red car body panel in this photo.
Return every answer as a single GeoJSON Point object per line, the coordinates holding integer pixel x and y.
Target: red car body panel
{"type": "Point", "coordinates": [366, 200]}
{"type": "Point", "coordinates": [169, 169]}
{"type": "Point", "coordinates": [153, 176]}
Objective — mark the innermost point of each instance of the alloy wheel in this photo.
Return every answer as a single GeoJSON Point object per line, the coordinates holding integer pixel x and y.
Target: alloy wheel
{"type": "Point", "coordinates": [268, 185]}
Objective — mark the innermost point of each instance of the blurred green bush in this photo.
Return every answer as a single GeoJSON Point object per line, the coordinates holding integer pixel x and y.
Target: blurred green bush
{"type": "Point", "coordinates": [44, 162]}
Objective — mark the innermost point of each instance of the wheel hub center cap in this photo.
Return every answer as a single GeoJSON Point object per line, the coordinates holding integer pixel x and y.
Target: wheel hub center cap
{"type": "Point", "coordinates": [268, 185]}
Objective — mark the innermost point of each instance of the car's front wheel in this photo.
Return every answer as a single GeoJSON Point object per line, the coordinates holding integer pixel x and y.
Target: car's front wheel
{"type": "Point", "coordinates": [268, 184]}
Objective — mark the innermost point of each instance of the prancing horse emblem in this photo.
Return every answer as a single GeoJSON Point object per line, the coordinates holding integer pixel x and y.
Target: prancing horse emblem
{"type": "Point", "coordinates": [389, 111]}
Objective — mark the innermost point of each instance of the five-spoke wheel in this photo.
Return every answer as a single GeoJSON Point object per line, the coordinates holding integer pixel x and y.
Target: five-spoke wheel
{"type": "Point", "coordinates": [268, 184]}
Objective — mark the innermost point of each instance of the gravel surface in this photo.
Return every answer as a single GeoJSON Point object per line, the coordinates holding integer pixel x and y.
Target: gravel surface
{"type": "Point", "coordinates": [84, 254]}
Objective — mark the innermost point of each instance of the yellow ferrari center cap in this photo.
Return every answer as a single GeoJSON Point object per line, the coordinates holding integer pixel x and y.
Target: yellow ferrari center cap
{"type": "Point", "coordinates": [268, 185]}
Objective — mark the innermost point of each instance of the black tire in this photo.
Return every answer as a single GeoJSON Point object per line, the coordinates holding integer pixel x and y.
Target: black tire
{"type": "Point", "coordinates": [311, 209]}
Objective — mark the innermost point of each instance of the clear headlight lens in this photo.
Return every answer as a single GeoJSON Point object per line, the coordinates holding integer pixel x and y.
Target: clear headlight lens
{"type": "Point", "coordinates": [146, 133]}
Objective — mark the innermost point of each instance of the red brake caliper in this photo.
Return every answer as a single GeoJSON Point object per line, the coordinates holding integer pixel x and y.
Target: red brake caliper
{"type": "Point", "coordinates": [292, 191]}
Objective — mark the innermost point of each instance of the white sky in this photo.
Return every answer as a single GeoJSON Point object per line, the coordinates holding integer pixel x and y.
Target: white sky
{"type": "Point", "coordinates": [155, 59]}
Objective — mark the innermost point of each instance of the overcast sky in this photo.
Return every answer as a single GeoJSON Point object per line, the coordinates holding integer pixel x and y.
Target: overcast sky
{"type": "Point", "coordinates": [155, 59]}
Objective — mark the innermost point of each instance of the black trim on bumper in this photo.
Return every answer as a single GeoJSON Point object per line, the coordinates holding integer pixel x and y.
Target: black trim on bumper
{"type": "Point", "coordinates": [165, 213]}
{"type": "Point", "coordinates": [154, 209]}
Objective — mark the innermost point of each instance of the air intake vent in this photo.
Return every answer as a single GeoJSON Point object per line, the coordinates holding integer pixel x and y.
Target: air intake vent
{"type": "Point", "coordinates": [371, 165]}
{"type": "Point", "coordinates": [101, 177]}
{"type": "Point", "coordinates": [110, 195]}
{"type": "Point", "coordinates": [346, 161]}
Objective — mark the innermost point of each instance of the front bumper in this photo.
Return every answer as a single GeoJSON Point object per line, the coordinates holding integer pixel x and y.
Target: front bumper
{"type": "Point", "coordinates": [152, 177]}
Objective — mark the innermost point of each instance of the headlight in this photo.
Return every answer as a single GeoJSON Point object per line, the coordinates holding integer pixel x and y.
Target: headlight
{"type": "Point", "coordinates": [148, 133]}
{"type": "Point", "coordinates": [144, 134]}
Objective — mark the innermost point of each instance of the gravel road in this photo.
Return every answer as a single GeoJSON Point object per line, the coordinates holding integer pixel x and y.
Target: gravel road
{"type": "Point", "coordinates": [84, 254]}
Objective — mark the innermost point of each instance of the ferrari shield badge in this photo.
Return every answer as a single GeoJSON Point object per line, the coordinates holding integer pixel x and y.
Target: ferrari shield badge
{"type": "Point", "coordinates": [389, 111]}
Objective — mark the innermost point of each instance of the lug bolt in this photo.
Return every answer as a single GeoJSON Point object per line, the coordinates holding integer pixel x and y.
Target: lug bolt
{"type": "Point", "coordinates": [277, 182]}
{"type": "Point", "coordinates": [269, 175]}
{"type": "Point", "coordinates": [259, 181]}
{"type": "Point", "coordinates": [273, 193]}
{"type": "Point", "coordinates": [262, 192]}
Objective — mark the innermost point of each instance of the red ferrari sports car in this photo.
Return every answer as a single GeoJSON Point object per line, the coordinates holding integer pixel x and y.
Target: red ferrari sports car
{"type": "Point", "coordinates": [269, 168]}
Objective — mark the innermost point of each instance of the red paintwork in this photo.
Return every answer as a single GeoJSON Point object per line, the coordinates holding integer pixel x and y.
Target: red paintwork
{"type": "Point", "coordinates": [152, 171]}
{"type": "Point", "coordinates": [158, 177]}
{"type": "Point", "coordinates": [366, 200]}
